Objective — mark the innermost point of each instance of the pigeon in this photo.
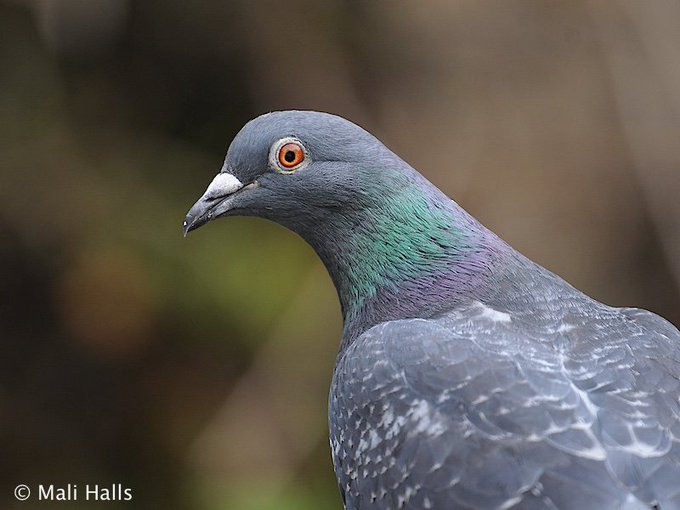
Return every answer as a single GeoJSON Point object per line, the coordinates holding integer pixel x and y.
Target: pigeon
{"type": "Point", "coordinates": [468, 376]}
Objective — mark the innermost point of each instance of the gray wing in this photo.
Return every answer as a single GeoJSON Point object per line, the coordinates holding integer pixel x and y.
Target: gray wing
{"type": "Point", "coordinates": [482, 409]}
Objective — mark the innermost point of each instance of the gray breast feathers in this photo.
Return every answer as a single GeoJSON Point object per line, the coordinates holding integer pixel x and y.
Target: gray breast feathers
{"type": "Point", "coordinates": [485, 408]}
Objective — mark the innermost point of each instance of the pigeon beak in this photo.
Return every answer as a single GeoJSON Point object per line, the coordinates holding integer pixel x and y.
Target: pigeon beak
{"type": "Point", "coordinates": [213, 203]}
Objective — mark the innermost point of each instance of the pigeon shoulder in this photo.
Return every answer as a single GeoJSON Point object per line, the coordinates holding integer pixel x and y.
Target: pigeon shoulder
{"type": "Point", "coordinates": [650, 323]}
{"type": "Point", "coordinates": [483, 412]}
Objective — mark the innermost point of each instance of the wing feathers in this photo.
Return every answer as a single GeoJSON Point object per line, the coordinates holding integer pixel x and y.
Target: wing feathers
{"type": "Point", "coordinates": [475, 410]}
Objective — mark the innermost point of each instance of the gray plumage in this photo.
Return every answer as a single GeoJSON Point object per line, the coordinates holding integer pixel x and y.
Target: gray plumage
{"type": "Point", "coordinates": [538, 398]}
{"type": "Point", "coordinates": [468, 376]}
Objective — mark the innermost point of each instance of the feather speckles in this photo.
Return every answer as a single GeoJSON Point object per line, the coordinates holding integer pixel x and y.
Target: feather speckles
{"type": "Point", "coordinates": [486, 312]}
{"type": "Point", "coordinates": [475, 410]}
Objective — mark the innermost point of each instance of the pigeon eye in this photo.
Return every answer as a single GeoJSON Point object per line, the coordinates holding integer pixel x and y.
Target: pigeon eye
{"type": "Point", "coordinates": [291, 155]}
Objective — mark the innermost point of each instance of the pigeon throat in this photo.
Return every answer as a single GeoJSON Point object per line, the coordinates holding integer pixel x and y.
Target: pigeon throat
{"type": "Point", "coordinates": [410, 250]}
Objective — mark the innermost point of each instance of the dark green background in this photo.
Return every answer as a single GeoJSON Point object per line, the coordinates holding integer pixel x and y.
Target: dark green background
{"type": "Point", "coordinates": [196, 371]}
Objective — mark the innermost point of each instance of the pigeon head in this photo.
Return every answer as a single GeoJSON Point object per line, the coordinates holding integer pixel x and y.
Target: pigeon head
{"type": "Point", "coordinates": [292, 167]}
{"type": "Point", "coordinates": [383, 231]}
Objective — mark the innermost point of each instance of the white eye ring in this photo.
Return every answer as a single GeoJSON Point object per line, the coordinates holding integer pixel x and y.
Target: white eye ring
{"type": "Point", "coordinates": [275, 162]}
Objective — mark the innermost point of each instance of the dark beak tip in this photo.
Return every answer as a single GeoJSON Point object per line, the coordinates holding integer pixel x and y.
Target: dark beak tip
{"type": "Point", "coordinates": [195, 219]}
{"type": "Point", "coordinates": [191, 222]}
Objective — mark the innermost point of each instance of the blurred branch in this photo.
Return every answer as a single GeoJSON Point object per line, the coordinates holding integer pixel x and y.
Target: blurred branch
{"type": "Point", "coordinates": [275, 415]}
{"type": "Point", "coordinates": [81, 28]}
{"type": "Point", "coordinates": [641, 43]}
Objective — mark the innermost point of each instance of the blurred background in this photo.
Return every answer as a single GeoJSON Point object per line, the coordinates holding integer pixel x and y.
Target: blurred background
{"type": "Point", "coordinates": [196, 371]}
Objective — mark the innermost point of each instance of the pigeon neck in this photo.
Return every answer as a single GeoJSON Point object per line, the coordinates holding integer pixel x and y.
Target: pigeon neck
{"type": "Point", "coordinates": [408, 251]}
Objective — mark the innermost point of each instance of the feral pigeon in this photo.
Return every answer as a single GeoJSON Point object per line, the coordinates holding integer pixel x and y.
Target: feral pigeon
{"type": "Point", "coordinates": [468, 376]}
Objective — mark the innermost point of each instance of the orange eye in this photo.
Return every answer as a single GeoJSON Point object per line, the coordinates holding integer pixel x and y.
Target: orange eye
{"type": "Point", "coordinates": [291, 155]}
